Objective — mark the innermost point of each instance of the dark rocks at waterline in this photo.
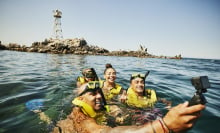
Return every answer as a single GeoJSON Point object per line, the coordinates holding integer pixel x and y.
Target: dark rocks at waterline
{"type": "Point", "coordinates": [2, 47]}
{"type": "Point", "coordinates": [137, 53]}
{"type": "Point", "coordinates": [67, 46]}
{"type": "Point", "coordinates": [79, 47]}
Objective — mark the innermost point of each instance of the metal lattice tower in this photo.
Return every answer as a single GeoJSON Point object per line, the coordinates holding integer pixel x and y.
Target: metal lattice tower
{"type": "Point", "coordinates": [57, 30]}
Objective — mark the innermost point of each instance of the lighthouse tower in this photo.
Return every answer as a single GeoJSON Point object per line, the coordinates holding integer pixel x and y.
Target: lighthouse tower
{"type": "Point", "coordinates": [57, 30]}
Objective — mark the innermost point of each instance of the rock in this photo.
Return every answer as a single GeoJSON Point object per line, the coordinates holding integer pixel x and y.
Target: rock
{"type": "Point", "coordinates": [65, 51]}
{"type": "Point", "coordinates": [42, 50]}
{"type": "Point", "coordinates": [32, 50]}
{"type": "Point", "coordinates": [13, 45]}
{"type": "Point", "coordinates": [2, 47]}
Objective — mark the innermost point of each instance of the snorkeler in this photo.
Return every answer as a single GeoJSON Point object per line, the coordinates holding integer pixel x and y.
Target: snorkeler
{"type": "Point", "coordinates": [89, 74]}
{"type": "Point", "coordinates": [110, 88]}
{"type": "Point", "coordinates": [138, 96]}
{"type": "Point", "coordinates": [113, 93]}
{"type": "Point", "coordinates": [90, 102]}
{"type": "Point", "coordinates": [142, 101]}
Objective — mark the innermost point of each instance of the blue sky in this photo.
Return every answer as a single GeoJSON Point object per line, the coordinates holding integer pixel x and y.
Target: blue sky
{"type": "Point", "coordinates": [165, 27]}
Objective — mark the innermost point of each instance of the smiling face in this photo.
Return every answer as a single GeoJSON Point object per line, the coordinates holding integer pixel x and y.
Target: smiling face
{"type": "Point", "coordinates": [94, 99]}
{"type": "Point", "coordinates": [110, 75]}
{"type": "Point", "coordinates": [137, 84]}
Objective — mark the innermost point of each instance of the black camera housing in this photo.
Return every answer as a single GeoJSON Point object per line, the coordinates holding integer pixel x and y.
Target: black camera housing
{"type": "Point", "coordinates": [201, 84]}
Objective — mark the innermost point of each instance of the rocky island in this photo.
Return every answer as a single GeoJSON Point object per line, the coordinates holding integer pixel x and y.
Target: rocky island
{"type": "Point", "coordinates": [77, 46]}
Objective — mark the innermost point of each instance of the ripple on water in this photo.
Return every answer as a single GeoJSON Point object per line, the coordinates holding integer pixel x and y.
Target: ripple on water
{"type": "Point", "coordinates": [27, 76]}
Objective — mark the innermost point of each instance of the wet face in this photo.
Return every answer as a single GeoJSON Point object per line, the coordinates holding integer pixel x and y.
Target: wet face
{"type": "Point", "coordinates": [138, 85]}
{"type": "Point", "coordinates": [110, 75]}
{"type": "Point", "coordinates": [94, 99]}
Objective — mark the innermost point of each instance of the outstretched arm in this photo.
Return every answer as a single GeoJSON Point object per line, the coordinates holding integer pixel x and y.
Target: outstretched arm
{"type": "Point", "coordinates": [180, 118]}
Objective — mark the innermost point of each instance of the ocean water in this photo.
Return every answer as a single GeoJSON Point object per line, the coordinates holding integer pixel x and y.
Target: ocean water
{"type": "Point", "coordinates": [51, 78]}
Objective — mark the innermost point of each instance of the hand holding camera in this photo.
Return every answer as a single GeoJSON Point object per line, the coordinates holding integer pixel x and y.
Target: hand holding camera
{"type": "Point", "coordinates": [201, 84]}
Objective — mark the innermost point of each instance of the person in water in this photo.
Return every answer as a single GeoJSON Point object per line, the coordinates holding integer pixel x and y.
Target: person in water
{"type": "Point", "coordinates": [89, 74]}
{"type": "Point", "coordinates": [90, 102]}
{"type": "Point", "coordinates": [113, 92]}
{"type": "Point", "coordinates": [142, 101]}
{"type": "Point", "coordinates": [111, 89]}
{"type": "Point", "coordinates": [138, 96]}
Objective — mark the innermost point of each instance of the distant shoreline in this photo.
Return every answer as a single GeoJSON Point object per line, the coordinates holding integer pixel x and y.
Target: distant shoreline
{"type": "Point", "coordinates": [78, 47]}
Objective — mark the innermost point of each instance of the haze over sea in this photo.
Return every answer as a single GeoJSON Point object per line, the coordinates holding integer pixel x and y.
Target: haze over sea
{"type": "Point", "coordinates": [27, 76]}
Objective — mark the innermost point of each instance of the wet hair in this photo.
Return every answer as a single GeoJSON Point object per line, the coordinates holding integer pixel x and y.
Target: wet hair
{"type": "Point", "coordinates": [107, 66]}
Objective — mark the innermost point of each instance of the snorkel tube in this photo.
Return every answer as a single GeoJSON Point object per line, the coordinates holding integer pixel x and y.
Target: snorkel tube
{"type": "Point", "coordinates": [103, 98]}
{"type": "Point", "coordinates": [146, 74]}
{"type": "Point", "coordinates": [104, 101]}
{"type": "Point", "coordinates": [96, 77]}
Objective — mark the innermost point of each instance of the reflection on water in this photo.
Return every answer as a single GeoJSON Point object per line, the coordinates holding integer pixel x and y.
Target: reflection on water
{"type": "Point", "coordinates": [27, 76]}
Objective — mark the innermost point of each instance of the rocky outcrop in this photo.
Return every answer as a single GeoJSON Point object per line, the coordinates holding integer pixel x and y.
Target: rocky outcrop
{"type": "Point", "coordinates": [67, 46]}
{"type": "Point", "coordinates": [2, 47]}
{"type": "Point", "coordinates": [77, 46]}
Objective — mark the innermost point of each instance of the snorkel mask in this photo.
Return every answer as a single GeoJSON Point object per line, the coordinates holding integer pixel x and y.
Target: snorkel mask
{"type": "Point", "coordinates": [139, 75]}
{"type": "Point", "coordinates": [89, 73]}
{"type": "Point", "coordinates": [91, 86]}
